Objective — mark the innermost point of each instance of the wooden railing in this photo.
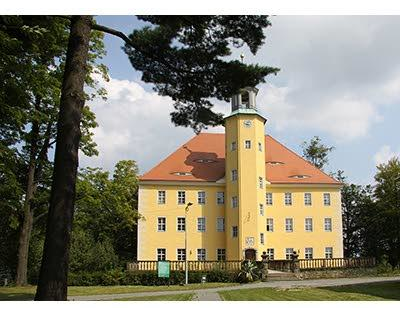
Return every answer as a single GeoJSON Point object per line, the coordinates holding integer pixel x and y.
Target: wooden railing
{"type": "Point", "coordinates": [279, 265]}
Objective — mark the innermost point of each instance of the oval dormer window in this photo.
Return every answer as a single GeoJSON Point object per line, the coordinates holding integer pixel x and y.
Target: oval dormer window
{"type": "Point", "coordinates": [181, 173]}
{"type": "Point", "coordinates": [300, 176]}
{"type": "Point", "coordinates": [204, 160]}
{"type": "Point", "coordinates": [275, 163]}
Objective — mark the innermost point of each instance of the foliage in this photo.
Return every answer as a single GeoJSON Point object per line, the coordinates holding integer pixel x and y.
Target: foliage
{"type": "Point", "coordinates": [248, 271]}
{"type": "Point", "coordinates": [316, 152]}
{"type": "Point", "coordinates": [186, 58]}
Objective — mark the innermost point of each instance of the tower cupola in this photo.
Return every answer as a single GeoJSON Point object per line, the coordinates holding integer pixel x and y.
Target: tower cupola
{"type": "Point", "coordinates": [245, 99]}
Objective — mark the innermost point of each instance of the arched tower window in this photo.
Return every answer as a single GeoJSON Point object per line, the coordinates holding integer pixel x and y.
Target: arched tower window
{"type": "Point", "coordinates": [245, 99]}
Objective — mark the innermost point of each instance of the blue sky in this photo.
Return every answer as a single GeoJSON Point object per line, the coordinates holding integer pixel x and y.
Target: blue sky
{"type": "Point", "coordinates": [339, 79]}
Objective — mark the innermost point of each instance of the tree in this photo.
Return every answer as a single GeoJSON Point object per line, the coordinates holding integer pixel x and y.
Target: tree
{"type": "Point", "coordinates": [33, 75]}
{"type": "Point", "coordinates": [182, 57]}
{"type": "Point", "coordinates": [316, 152]}
{"type": "Point", "coordinates": [387, 195]}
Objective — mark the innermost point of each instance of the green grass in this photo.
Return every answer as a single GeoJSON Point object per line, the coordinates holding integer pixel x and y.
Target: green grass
{"type": "Point", "coordinates": [28, 292]}
{"type": "Point", "coordinates": [175, 297]}
{"type": "Point", "coordinates": [359, 292]}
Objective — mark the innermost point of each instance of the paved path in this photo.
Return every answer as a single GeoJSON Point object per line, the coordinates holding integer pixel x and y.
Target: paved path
{"type": "Point", "coordinates": [212, 295]}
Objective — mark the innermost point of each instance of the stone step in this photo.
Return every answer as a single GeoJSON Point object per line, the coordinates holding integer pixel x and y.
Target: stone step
{"type": "Point", "coordinates": [283, 276]}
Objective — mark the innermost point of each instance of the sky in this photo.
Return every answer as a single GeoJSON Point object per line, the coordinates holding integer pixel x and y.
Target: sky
{"type": "Point", "coordinates": [339, 80]}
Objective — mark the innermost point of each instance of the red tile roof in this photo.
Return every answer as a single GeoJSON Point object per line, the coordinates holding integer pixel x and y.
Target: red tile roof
{"type": "Point", "coordinates": [207, 146]}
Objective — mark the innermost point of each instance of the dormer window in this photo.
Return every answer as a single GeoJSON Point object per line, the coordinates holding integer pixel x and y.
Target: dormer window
{"type": "Point", "coordinates": [181, 173]}
{"type": "Point", "coordinates": [275, 163]}
{"type": "Point", "coordinates": [299, 176]}
{"type": "Point", "coordinates": [204, 160]}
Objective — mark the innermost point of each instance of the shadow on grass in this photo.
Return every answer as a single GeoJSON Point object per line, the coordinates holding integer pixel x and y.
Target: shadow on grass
{"type": "Point", "coordinates": [389, 290]}
{"type": "Point", "coordinates": [16, 296]}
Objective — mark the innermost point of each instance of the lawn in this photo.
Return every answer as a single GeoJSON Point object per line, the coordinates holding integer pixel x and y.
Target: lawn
{"type": "Point", "coordinates": [359, 292]}
{"type": "Point", "coordinates": [174, 297]}
{"type": "Point", "coordinates": [28, 292]}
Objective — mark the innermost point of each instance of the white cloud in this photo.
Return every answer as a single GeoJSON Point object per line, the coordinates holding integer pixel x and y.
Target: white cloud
{"type": "Point", "coordinates": [384, 154]}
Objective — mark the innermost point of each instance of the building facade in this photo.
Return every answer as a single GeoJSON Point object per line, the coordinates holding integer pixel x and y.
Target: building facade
{"type": "Point", "coordinates": [238, 194]}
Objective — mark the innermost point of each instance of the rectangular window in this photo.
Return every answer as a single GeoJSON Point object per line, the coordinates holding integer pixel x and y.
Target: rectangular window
{"type": "Point", "coordinates": [270, 224]}
{"type": "Point", "coordinates": [259, 147]}
{"type": "Point", "coordinates": [327, 199]}
{"type": "Point", "coordinates": [260, 182]}
{"type": "Point", "coordinates": [201, 254]}
{"type": "Point", "coordinates": [288, 225]}
{"type": "Point", "coordinates": [161, 224]}
{"type": "Point", "coordinates": [328, 252]}
{"type": "Point", "coordinates": [307, 198]}
{"type": "Point", "coordinates": [161, 254]}
{"type": "Point", "coordinates": [161, 197]}
{"type": "Point", "coordinates": [308, 253]}
{"type": "Point", "coordinates": [181, 197]}
{"type": "Point", "coordinates": [181, 225]}
{"type": "Point", "coordinates": [181, 254]}
{"type": "Point", "coordinates": [247, 144]}
{"type": "Point", "coordinates": [268, 198]}
{"type": "Point", "coordinates": [221, 254]}
{"type": "Point", "coordinates": [308, 225]}
{"type": "Point", "coordinates": [234, 201]}
{"type": "Point", "coordinates": [289, 253]}
{"type": "Point", "coordinates": [201, 224]}
{"type": "Point", "coordinates": [261, 209]}
{"type": "Point", "coordinates": [288, 198]}
{"type": "Point", "coordinates": [220, 198]}
{"type": "Point", "coordinates": [262, 238]}
{"type": "Point", "coordinates": [234, 175]}
{"type": "Point", "coordinates": [234, 231]}
{"type": "Point", "coordinates": [270, 253]}
{"type": "Point", "coordinates": [233, 146]}
{"type": "Point", "coordinates": [328, 224]}
{"type": "Point", "coordinates": [220, 224]}
{"type": "Point", "coordinates": [201, 197]}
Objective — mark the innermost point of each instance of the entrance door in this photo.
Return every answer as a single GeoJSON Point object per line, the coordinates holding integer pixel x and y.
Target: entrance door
{"type": "Point", "coordinates": [250, 254]}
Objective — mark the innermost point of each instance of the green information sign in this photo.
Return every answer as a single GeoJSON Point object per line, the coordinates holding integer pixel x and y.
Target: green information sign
{"type": "Point", "coordinates": [163, 269]}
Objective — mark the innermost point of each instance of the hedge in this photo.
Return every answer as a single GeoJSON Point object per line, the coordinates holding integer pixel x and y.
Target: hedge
{"type": "Point", "coordinates": [120, 277]}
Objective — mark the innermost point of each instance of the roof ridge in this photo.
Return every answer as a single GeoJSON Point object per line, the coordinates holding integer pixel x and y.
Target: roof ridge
{"type": "Point", "coordinates": [305, 160]}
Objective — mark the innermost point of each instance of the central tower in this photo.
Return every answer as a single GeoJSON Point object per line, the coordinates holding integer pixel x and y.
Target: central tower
{"type": "Point", "coordinates": [245, 177]}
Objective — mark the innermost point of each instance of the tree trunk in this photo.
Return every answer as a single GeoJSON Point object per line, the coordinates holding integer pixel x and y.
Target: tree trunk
{"type": "Point", "coordinates": [25, 234]}
{"type": "Point", "coordinates": [52, 283]}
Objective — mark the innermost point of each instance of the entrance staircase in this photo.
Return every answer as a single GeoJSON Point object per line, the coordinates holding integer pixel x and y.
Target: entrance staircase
{"type": "Point", "coordinates": [274, 275]}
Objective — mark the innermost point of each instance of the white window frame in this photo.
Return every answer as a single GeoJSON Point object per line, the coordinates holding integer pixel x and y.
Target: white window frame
{"type": "Point", "coordinates": [235, 202]}
{"type": "Point", "coordinates": [161, 255]}
{"type": "Point", "coordinates": [201, 224]}
{"type": "Point", "coordinates": [220, 227]}
{"type": "Point", "coordinates": [235, 229]}
{"type": "Point", "coordinates": [307, 199]}
{"type": "Point", "coordinates": [269, 198]}
{"type": "Point", "coordinates": [270, 253]}
{"type": "Point", "coordinates": [220, 198]}
{"type": "Point", "coordinates": [308, 253]}
{"type": "Point", "coordinates": [287, 220]}
{"type": "Point", "coordinates": [289, 253]}
{"type": "Point", "coordinates": [181, 254]}
{"type": "Point", "coordinates": [161, 224]}
{"type": "Point", "coordinates": [201, 197]}
{"type": "Point", "coordinates": [179, 224]}
{"type": "Point", "coordinates": [328, 254]}
{"type": "Point", "coordinates": [330, 224]}
{"type": "Point", "coordinates": [221, 254]}
{"type": "Point", "coordinates": [161, 196]}
{"type": "Point", "coordinates": [201, 254]}
{"type": "Point", "coordinates": [327, 199]}
{"type": "Point", "coordinates": [270, 224]}
{"type": "Point", "coordinates": [233, 146]}
{"type": "Point", "coordinates": [288, 199]}
{"type": "Point", "coordinates": [234, 175]}
{"type": "Point", "coordinates": [181, 197]}
{"type": "Point", "coordinates": [262, 239]}
{"type": "Point", "coordinates": [261, 207]}
{"type": "Point", "coordinates": [247, 144]}
{"type": "Point", "coordinates": [260, 182]}
{"type": "Point", "coordinates": [308, 224]}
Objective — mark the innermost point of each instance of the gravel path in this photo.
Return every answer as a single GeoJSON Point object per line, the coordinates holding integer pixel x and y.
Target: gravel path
{"type": "Point", "coordinates": [212, 294]}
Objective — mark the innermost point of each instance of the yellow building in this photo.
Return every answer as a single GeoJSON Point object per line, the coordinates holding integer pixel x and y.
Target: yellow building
{"type": "Point", "coordinates": [244, 193]}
